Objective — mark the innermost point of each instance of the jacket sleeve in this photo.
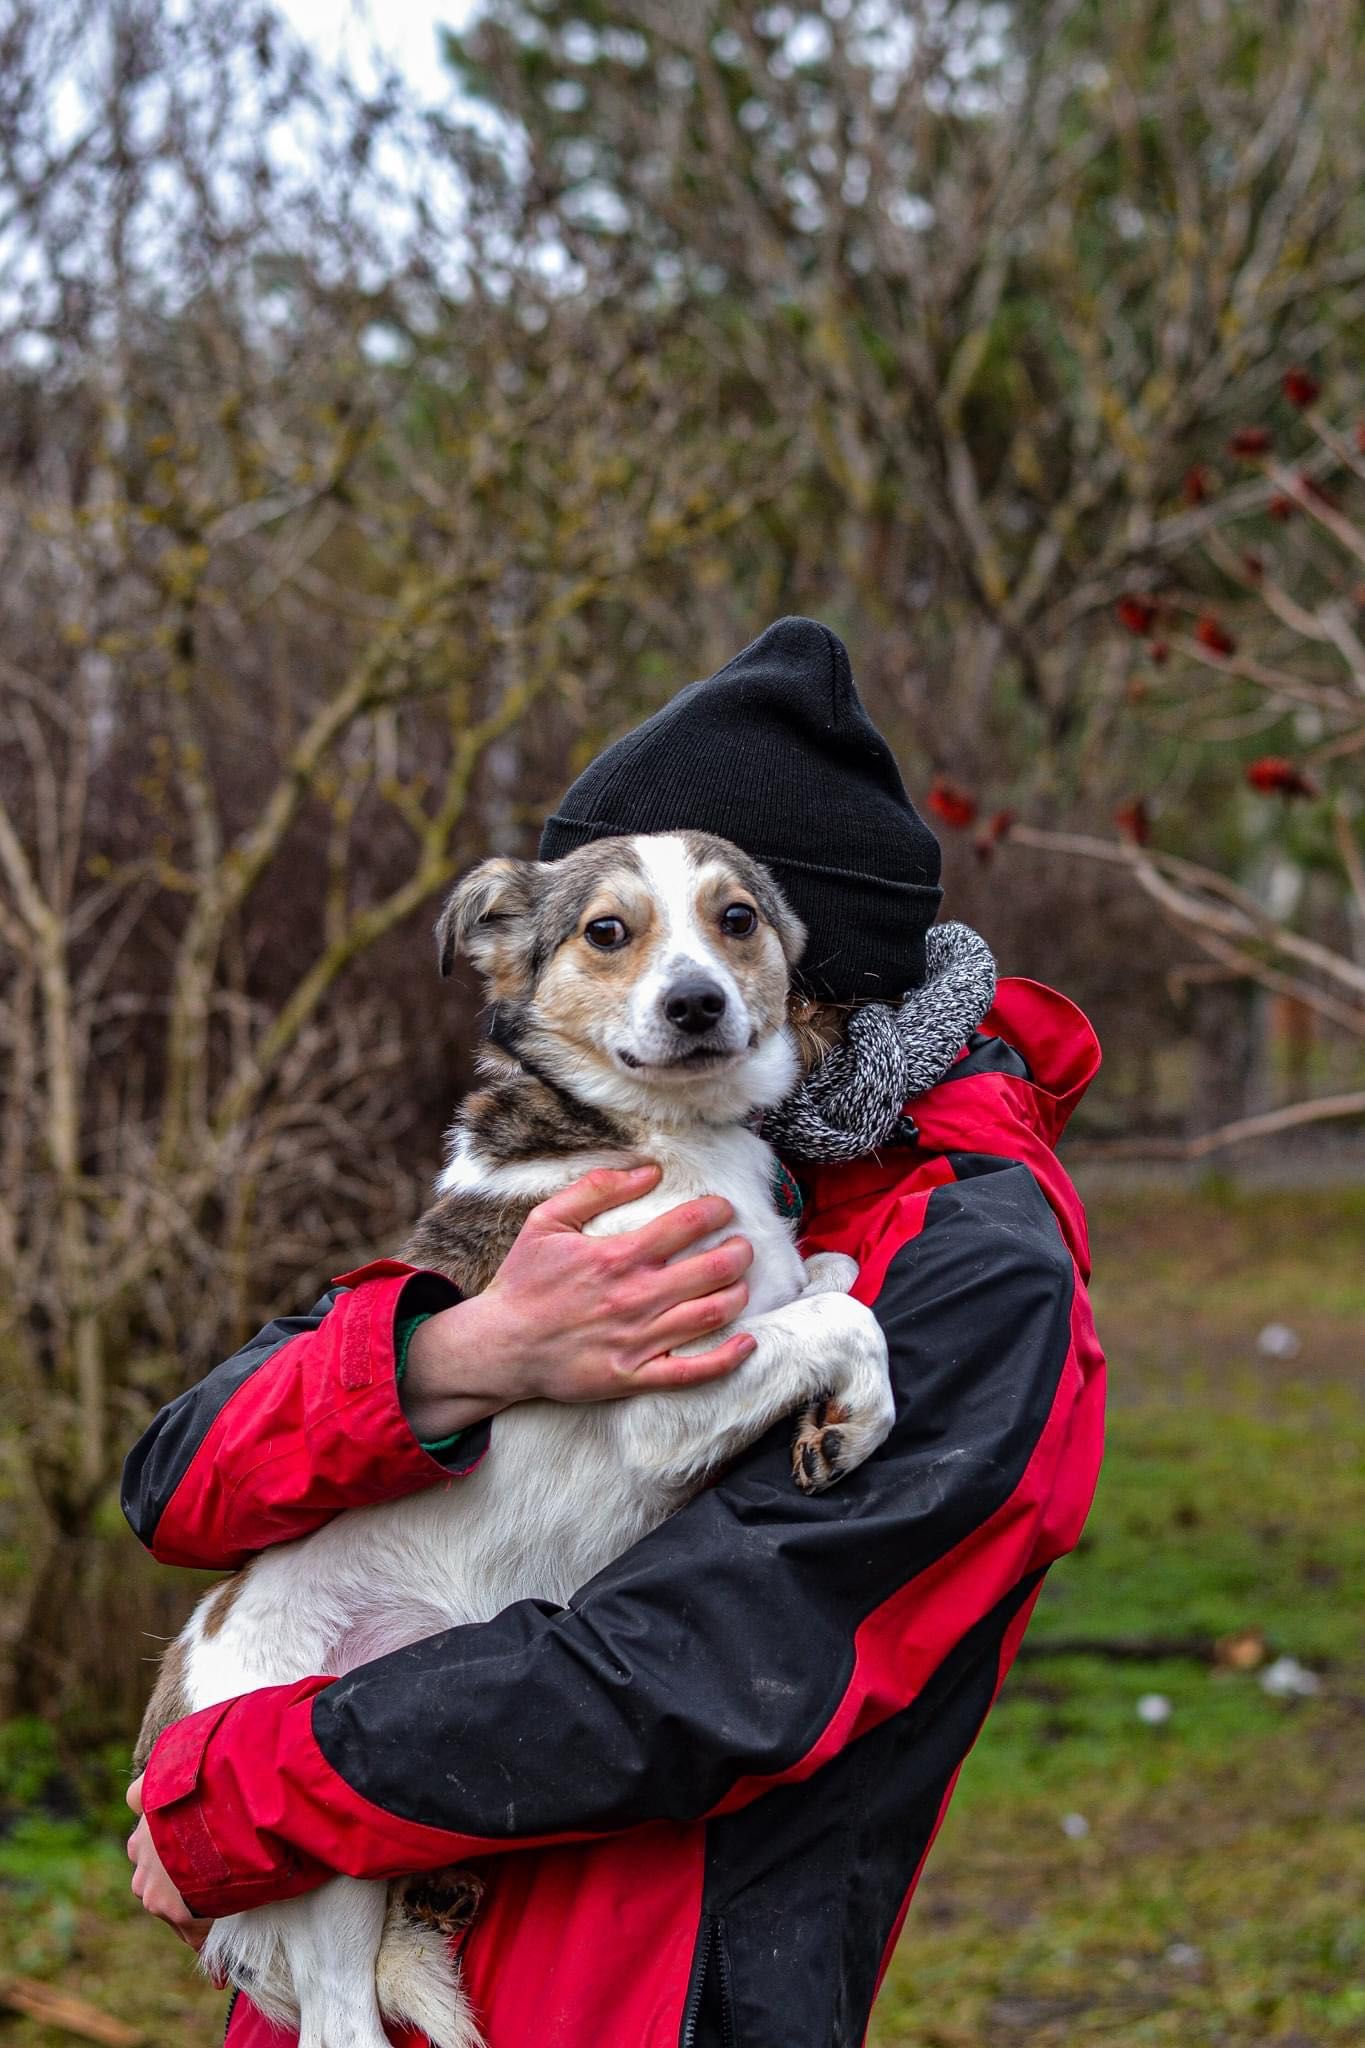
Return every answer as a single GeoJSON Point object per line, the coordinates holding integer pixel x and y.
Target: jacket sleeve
{"type": "Point", "coordinates": [302, 1422]}
{"type": "Point", "coordinates": [740, 1645]}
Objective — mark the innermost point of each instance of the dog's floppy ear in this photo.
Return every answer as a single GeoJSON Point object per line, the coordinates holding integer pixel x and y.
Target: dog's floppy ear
{"type": "Point", "coordinates": [790, 931]}
{"type": "Point", "coordinates": [488, 915]}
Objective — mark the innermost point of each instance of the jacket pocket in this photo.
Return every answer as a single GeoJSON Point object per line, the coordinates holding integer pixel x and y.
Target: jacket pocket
{"type": "Point", "coordinates": [709, 2017]}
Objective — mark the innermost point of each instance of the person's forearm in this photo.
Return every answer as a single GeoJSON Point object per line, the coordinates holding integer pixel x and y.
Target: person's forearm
{"type": "Point", "coordinates": [454, 1374]}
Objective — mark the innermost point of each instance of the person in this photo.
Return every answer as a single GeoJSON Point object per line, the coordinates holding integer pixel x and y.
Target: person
{"type": "Point", "coordinates": [700, 1795]}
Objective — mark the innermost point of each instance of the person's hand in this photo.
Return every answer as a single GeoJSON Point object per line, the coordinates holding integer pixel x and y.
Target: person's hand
{"type": "Point", "coordinates": [575, 1318]}
{"type": "Point", "coordinates": [151, 1886]}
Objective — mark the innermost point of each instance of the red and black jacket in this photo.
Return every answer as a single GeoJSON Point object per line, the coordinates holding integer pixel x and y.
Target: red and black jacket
{"type": "Point", "coordinates": [701, 1794]}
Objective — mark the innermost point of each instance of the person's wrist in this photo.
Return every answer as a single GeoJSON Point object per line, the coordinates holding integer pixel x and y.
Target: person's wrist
{"type": "Point", "coordinates": [458, 1372]}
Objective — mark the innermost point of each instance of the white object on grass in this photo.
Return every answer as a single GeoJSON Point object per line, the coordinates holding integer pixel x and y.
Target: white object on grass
{"type": "Point", "coordinates": [1287, 1679]}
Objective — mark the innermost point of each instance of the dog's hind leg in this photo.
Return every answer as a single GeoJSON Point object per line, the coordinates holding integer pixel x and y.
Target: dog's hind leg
{"type": "Point", "coordinates": [419, 1978]}
{"type": "Point", "coordinates": [332, 1937]}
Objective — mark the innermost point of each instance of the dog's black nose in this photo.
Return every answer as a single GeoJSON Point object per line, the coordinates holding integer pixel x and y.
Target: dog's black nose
{"type": "Point", "coordinates": [694, 1006]}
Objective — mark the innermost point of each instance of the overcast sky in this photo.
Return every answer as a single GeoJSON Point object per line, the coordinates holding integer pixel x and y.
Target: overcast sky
{"type": "Point", "coordinates": [405, 29]}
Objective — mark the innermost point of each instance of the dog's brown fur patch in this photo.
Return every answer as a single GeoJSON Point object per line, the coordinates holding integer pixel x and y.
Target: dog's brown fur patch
{"type": "Point", "coordinates": [754, 880]}
{"type": "Point", "coordinates": [517, 1117]}
{"type": "Point", "coordinates": [575, 982]}
{"type": "Point", "coordinates": [222, 1601]}
{"type": "Point", "coordinates": [170, 1701]}
{"type": "Point", "coordinates": [761, 962]}
{"type": "Point", "coordinates": [467, 1237]}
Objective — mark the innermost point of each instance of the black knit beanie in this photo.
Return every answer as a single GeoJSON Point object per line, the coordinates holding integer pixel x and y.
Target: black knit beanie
{"type": "Point", "coordinates": [776, 753]}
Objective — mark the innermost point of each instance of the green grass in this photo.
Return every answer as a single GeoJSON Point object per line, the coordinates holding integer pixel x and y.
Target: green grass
{"type": "Point", "coordinates": [1216, 1896]}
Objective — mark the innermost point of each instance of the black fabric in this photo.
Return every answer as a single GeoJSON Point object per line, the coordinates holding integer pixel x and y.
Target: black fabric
{"type": "Point", "coordinates": [776, 753]}
{"type": "Point", "coordinates": [803, 1888]}
{"type": "Point", "coordinates": [987, 1054]}
{"type": "Point", "coordinates": [719, 1646]}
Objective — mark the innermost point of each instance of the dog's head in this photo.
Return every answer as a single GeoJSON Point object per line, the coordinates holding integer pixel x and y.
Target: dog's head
{"type": "Point", "coordinates": [642, 974]}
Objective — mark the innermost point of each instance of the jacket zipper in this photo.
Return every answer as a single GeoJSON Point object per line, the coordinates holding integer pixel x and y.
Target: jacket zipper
{"type": "Point", "coordinates": [692, 2017]}
{"type": "Point", "coordinates": [232, 2004]}
{"type": "Point", "coordinates": [727, 2022]}
{"type": "Point", "coordinates": [711, 1946]}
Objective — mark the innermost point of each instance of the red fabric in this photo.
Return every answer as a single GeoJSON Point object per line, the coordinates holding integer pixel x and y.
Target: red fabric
{"type": "Point", "coordinates": [315, 1429]}
{"type": "Point", "coordinates": [1014, 1635]}
{"type": "Point", "coordinates": [573, 1948]}
{"type": "Point", "coordinates": [592, 1941]}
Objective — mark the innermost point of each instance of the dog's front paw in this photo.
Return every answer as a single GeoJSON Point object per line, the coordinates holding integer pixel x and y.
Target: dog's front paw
{"type": "Point", "coordinates": [830, 1273]}
{"type": "Point", "coordinates": [833, 1437]}
{"type": "Point", "coordinates": [820, 1448]}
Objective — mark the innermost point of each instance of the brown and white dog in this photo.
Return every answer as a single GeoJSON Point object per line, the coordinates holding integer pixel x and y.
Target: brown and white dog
{"type": "Point", "coordinates": [642, 992]}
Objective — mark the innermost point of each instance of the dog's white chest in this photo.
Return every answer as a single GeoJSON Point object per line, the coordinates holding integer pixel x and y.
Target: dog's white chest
{"type": "Point", "coordinates": [734, 1163]}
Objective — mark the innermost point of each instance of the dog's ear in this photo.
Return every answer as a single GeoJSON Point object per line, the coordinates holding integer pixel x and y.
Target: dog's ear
{"type": "Point", "coordinates": [790, 931]}
{"type": "Point", "coordinates": [488, 916]}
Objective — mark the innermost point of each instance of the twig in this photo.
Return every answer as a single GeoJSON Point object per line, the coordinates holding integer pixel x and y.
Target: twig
{"type": "Point", "coordinates": [70, 2015]}
{"type": "Point", "coordinates": [1327, 1108]}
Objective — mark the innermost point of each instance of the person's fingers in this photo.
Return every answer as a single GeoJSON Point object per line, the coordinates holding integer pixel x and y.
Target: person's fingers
{"type": "Point", "coordinates": [676, 1229]}
{"type": "Point", "coordinates": [673, 1372]}
{"type": "Point", "coordinates": [691, 1320]}
{"type": "Point", "coordinates": [607, 1187]}
{"type": "Point", "coordinates": [134, 1793]}
{"type": "Point", "coordinates": [704, 1273]}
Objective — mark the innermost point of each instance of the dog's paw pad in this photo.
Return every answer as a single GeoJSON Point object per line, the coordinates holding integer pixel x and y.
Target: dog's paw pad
{"type": "Point", "coordinates": [445, 1899]}
{"type": "Point", "coordinates": [820, 1446]}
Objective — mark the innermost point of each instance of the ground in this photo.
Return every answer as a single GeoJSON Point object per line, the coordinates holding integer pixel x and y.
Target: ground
{"type": "Point", "coordinates": [1103, 1880]}
{"type": "Point", "coordinates": [1210, 1887]}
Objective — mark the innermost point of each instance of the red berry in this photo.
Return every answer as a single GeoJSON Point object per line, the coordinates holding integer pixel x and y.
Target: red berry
{"type": "Point", "coordinates": [1300, 386]}
{"type": "Point", "coordinates": [1159, 653]}
{"type": "Point", "coordinates": [1198, 483]}
{"type": "Point", "coordinates": [1250, 441]}
{"type": "Point", "coordinates": [950, 802]}
{"type": "Point", "coordinates": [1134, 821]}
{"type": "Point", "coordinates": [1136, 614]}
{"type": "Point", "coordinates": [1216, 637]}
{"type": "Point", "coordinates": [1280, 507]}
{"type": "Point", "coordinates": [1273, 775]}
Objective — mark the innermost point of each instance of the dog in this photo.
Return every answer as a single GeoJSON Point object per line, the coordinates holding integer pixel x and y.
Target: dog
{"type": "Point", "coordinates": [640, 989]}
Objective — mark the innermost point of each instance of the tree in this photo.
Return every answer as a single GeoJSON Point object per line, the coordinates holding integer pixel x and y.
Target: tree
{"type": "Point", "coordinates": [1257, 670]}
{"type": "Point", "coordinates": [1006, 273]}
{"type": "Point", "coordinates": [1007, 277]}
{"type": "Point", "coordinates": [304, 534]}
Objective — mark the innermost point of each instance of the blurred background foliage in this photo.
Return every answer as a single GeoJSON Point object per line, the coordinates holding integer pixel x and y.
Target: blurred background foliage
{"type": "Point", "coordinates": [369, 457]}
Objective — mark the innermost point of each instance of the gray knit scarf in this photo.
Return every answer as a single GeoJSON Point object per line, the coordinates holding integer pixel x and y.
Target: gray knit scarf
{"type": "Point", "coordinates": [854, 1100]}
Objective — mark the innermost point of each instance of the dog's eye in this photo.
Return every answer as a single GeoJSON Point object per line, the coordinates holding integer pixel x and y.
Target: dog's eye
{"type": "Point", "coordinates": [606, 933]}
{"type": "Point", "coordinates": [739, 921]}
